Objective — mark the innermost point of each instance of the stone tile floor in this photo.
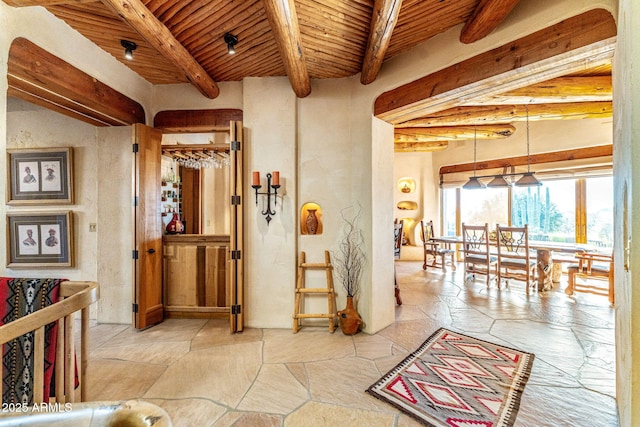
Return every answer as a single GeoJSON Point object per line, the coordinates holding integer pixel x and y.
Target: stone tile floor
{"type": "Point", "coordinates": [203, 376]}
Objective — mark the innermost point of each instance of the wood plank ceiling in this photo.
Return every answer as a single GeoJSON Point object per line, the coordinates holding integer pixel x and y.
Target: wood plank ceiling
{"type": "Point", "coordinates": [182, 41]}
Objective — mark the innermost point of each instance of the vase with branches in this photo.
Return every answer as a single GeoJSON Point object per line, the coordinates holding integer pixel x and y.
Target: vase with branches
{"type": "Point", "coordinates": [349, 261]}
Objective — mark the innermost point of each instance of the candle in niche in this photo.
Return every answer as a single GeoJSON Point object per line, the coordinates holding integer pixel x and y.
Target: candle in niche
{"type": "Point", "coordinates": [256, 178]}
{"type": "Point", "coordinates": [276, 178]}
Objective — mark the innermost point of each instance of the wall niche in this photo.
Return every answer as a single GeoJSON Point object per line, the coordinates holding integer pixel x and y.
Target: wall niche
{"type": "Point", "coordinates": [311, 219]}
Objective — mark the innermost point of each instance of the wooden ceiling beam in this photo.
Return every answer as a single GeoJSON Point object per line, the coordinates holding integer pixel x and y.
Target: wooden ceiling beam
{"type": "Point", "coordinates": [383, 21]}
{"type": "Point", "coordinates": [38, 76]}
{"type": "Point", "coordinates": [419, 147]}
{"type": "Point", "coordinates": [138, 17]}
{"type": "Point", "coordinates": [561, 89]}
{"type": "Point", "coordinates": [196, 121]}
{"type": "Point", "coordinates": [284, 25]}
{"type": "Point", "coordinates": [491, 114]}
{"type": "Point", "coordinates": [556, 156]}
{"type": "Point", "coordinates": [577, 43]}
{"type": "Point", "coordinates": [485, 18]}
{"type": "Point", "coordinates": [452, 133]}
{"type": "Point", "coordinates": [45, 3]}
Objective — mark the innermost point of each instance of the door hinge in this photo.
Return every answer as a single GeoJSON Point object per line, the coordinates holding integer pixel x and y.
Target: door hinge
{"type": "Point", "coordinates": [134, 308]}
{"type": "Point", "coordinates": [136, 201]}
{"type": "Point", "coordinates": [235, 254]}
{"type": "Point", "coordinates": [134, 254]}
{"type": "Point", "coordinates": [136, 147]}
{"type": "Point", "coordinates": [236, 309]}
{"type": "Point", "coordinates": [235, 200]}
{"type": "Point", "coordinates": [235, 145]}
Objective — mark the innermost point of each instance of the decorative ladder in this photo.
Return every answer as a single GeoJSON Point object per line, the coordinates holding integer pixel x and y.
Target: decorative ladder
{"type": "Point", "coordinates": [303, 266]}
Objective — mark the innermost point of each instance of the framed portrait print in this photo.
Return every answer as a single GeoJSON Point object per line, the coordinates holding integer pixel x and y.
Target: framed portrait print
{"type": "Point", "coordinates": [40, 176]}
{"type": "Point", "coordinates": [40, 239]}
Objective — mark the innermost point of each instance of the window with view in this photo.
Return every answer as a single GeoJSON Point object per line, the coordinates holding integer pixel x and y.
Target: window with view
{"type": "Point", "coordinates": [549, 210]}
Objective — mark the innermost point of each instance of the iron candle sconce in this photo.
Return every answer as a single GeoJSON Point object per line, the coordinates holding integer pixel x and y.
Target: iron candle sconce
{"type": "Point", "coordinates": [275, 185]}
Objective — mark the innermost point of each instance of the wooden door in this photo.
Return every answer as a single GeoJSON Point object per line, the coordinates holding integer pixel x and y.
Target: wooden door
{"type": "Point", "coordinates": [147, 251]}
{"type": "Point", "coordinates": [236, 250]}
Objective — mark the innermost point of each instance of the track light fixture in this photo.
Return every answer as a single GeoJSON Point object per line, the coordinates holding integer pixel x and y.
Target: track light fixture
{"type": "Point", "coordinates": [231, 42]}
{"type": "Point", "coordinates": [129, 47]}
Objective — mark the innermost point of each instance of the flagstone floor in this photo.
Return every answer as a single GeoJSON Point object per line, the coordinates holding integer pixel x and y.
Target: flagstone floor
{"type": "Point", "coordinates": [203, 376]}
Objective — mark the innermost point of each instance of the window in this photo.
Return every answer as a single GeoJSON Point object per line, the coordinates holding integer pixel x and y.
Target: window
{"type": "Point", "coordinates": [487, 205]}
{"type": "Point", "coordinates": [449, 209]}
{"type": "Point", "coordinates": [599, 204]}
{"type": "Point", "coordinates": [549, 210]}
{"type": "Point", "coordinates": [563, 210]}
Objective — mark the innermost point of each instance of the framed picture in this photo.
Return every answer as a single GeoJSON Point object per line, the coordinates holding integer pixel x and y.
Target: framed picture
{"type": "Point", "coordinates": [40, 239]}
{"type": "Point", "coordinates": [40, 176]}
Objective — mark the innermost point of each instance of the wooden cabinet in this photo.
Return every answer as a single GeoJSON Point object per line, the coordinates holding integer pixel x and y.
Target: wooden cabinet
{"type": "Point", "coordinates": [196, 275]}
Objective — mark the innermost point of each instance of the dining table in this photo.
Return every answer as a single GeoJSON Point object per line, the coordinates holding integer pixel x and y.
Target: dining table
{"type": "Point", "coordinates": [544, 255]}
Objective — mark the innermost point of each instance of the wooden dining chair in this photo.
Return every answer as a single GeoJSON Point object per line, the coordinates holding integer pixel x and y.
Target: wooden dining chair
{"type": "Point", "coordinates": [475, 248]}
{"type": "Point", "coordinates": [433, 249]}
{"type": "Point", "coordinates": [515, 260]}
{"type": "Point", "coordinates": [591, 266]}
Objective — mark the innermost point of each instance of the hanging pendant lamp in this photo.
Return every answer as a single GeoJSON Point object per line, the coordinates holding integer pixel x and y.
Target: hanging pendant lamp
{"type": "Point", "coordinates": [498, 181]}
{"type": "Point", "coordinates": [474, 183]}
{"type": "Point", "coordinates": [528, 180]}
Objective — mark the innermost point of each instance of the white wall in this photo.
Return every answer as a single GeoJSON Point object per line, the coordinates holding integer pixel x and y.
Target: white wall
{"type": "Point", "coordinates": [626, 85]}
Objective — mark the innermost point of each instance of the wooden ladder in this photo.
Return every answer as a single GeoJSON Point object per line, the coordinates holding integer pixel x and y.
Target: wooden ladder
{"type": "Point", "coordinates": [301, 290]}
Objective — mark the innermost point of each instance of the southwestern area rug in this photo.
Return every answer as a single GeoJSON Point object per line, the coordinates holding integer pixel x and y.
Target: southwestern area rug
{"type": "Point", "coordinates": [453, 380]}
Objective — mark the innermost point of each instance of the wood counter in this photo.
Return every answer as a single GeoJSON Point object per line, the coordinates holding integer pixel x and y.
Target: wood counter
{"type": "Point", "coordinates": [195, 275]}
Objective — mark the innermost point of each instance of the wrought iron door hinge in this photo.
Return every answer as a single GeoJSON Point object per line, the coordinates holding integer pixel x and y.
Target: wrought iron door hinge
{"type": "Point", "coordinates": [235, 254]}
{"type": "Point", "coordinates": [136, 201]}
{"type": "Point", "coordinates": [134, 308]}
{"type": "Point", "coordinates": [136, 147]}
{"type": "Point", "coordinates": [235, 200]}
{"type": "Point", "coordinates": [235, 145]}
{"type": "Point", "coordinates": [134, 254]}
{"type": "Point", "coordinates": [236, 309]}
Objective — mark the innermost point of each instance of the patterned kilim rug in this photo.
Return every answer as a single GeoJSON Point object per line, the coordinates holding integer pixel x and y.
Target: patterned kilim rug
{"type": "Point", "coordinates": [453, 380]}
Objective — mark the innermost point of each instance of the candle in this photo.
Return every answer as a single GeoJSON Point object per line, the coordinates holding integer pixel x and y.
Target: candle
{"type": "Point", "coordinates": [256, 178]}
{"type": "Point", "coordinates": [276, 178]}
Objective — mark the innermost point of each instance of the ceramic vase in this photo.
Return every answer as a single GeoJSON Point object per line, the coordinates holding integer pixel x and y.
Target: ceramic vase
{"type": "Point", "coordinates": [349, 319]}
{"type": "Point", "coordinates": [312, 221]}
{"type": "Point", "coordinates": [175, 226]}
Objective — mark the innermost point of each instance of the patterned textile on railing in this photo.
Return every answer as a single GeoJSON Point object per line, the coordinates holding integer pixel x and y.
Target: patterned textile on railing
{"type": "Point", "coordinates": [18, 298]}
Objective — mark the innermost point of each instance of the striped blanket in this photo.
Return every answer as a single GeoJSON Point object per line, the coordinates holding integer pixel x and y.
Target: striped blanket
{"type": "Point", "coordinates": [18, 298]}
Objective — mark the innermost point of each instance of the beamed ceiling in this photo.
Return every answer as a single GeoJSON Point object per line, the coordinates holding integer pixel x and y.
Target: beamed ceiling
{"type": "Point", "coordinates": [182, 41]}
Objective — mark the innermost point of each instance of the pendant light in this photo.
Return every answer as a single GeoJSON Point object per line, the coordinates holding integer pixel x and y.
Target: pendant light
{"type": "Point", "coordinates": [528, 180]}
{"type": "Point", "coordinates": [498, 181]}
{"type": "Point", "coordinates": [474, 183]}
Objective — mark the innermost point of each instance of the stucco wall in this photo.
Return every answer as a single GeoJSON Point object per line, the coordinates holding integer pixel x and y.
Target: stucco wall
{"type": "Point", "coordinates": [626, 83]}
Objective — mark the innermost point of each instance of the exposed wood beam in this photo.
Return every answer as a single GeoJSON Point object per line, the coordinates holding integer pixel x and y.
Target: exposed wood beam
{"type": "Point", "coordinates": [44, 3]}
{"type": "Point", "coordinates": [196, 121]}
{"type": "Point", "coordinates": [383, 21]}
{"type": "Point", "coordinates": [37, 76]}
{"type": "Point", "coordinates": [556, 156]}
{"type": "Point", "coordinates": [561, 89]}
{"type": "Point", "coordinates": [452, 133]}
{"type": "Point", "coordinates": [419, 147]}
{"type": "Point", "coordinates": [485, 18]}
{"type": "Point", "coordinates": [284, 25]}
{"type": "Point", "coordinates": [578, 43]}
{"type": "Point", "coordinates": [491, 114]}
{"type": "Point", "coordinates": [138, 17]}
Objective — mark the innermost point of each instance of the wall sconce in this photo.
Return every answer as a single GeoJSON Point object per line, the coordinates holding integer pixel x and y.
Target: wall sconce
{"type": "Point", "coordinates": [129, 47]}
{"type": "Point", "coordinates": [270, 185]}
{"type": "Point", "coordinates": [231, 42]}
